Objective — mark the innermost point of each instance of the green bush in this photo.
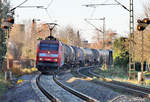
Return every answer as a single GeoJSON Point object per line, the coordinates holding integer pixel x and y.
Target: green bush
{"type": "Point", "coordinates": [121, 54]}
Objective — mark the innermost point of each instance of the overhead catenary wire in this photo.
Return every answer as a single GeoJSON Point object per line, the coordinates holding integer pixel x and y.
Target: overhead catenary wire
{"type": "Point", "coordinates": [48, 14]}
{"type": "Point", "coordinates": [93, 11]}
{"type": "Point", "coordinates": [46, 10]}
{"type": "Point", "coordinates": [49, 4]}
{"type": "Point", "coordinates": [93, 25]}
{"type": "Point", "coordinates": [105, 1]}
{"type": "Point", "coordinates": [122, 5]}
{"type": "Point", "coordinates": [18, 5]}
{"type": "Point", "coordinates": [111, 4]}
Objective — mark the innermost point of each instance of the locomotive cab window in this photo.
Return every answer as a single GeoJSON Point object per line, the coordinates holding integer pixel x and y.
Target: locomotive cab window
{"type": "Point", "coordinates": [51, 46]}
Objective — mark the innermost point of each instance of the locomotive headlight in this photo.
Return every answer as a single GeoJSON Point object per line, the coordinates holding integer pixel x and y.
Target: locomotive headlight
{"type": "Point", "coordinates": [40, 59]}
{"type": "Point", "coordinates": [55, 60]}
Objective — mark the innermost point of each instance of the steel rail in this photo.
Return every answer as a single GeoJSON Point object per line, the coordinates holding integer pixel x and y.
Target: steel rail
{"type": "Point", "coordinates": [146, 90]}
{"type": "Point", "coordinates": [50, 97]}
{"type": "Point", "coordinates": [74, 92]}
{"type": "Point", "coordinates": [132, 89]}
{"type": "Point", "coordinates": [116, 98]}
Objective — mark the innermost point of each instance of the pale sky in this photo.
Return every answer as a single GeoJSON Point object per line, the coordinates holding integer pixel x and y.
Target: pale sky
{"type": "Point", "coordinates": [71, 12]}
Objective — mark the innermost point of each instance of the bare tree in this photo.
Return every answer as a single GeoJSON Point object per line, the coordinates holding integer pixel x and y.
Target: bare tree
{"type": "Point", "coordinates": [147, 8]}
{"type": "Point", "coordinates": [17, 40]}
{"type": "Point", "coordinates": [108, 39]}
{"type": "Point", "coordinates": [70, 36]}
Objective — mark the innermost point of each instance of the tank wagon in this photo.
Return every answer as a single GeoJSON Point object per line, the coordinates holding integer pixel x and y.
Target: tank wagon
{"type": "Point", "coordinates": [69, 55]}
{"type": "Point", "coordinates": [96, 56]}
{"type": "Point", "coordinates": [106, 56]}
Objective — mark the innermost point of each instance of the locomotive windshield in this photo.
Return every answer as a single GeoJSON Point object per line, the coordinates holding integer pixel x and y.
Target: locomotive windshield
{"type": "Point", "coordinates": [51, 46]}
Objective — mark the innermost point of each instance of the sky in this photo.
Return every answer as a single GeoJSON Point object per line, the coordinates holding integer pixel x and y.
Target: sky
{"type": "Point", "coordinates": [73, 13]}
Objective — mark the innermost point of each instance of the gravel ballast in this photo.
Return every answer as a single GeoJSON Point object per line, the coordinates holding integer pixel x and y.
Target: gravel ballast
{"type": "Point", "coordinates": [25, 92]}
{"type": "Point", "coordinates": [48, 84]}
{"type": "Point", "coordinates": [93, 90]}
{"type": "Point", "coordinates": [22, 92]}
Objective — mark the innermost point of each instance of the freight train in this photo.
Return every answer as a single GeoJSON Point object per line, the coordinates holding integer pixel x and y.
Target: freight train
{"type": "Point", "coordinates": [52, 54]}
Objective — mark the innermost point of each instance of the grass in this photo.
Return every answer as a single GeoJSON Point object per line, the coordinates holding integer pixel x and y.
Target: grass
{"type": "Point", "coordinates": [119, 74]}
{"type": "Point", "coordinates": [22, 71]}
{"type": "Point", "coordinates": [112, 73]}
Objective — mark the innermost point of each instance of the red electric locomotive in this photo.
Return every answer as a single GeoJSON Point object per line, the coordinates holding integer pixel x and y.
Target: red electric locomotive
{"type": "Point", "coordinates": [50, 55]}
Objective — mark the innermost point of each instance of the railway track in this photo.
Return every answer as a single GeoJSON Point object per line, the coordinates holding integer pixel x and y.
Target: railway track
{"type": "Point", "coordinates": [124, 87]}
{"type": "Point", "coordinates": [51, 97]}
{"type": "Point", "coordinates": [118, 99]}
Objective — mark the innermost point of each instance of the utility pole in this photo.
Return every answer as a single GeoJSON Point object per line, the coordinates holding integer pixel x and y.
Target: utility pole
{"type": "Point", "coordinates": [131, 42]}
{"type": "Point", "coordinates": [104, 60]}
{"type": "Point", "coordinates": [131, 29]}
{"type": "Point", "coordinates": [101, 31]}
{"type": "Point", "coordinates": [33, 37]}
{"type": "Point", "coordinates": [142, 61]}
{"type": "Point", "coordinates": [1, 38]}
{"type": "Point", "coordinates": [8, 70]}
{"type": "Point", "coordinates": [104, 36]}
{"type": "Point", "coordinates": [78, 39]}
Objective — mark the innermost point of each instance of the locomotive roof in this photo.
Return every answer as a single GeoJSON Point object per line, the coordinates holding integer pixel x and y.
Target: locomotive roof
{"type": "Point", "coordinates": [49, 41]}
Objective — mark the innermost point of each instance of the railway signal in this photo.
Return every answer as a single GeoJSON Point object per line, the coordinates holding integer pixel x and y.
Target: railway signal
{"type": "Point", "coordinates": [142, 24]}
{"type": "Point", "coordinates": [4, 27]}
{"type": "Point", "coordinates": [10, 20]}
{"type": "Point", "coordinates": [146, 20]}
{"type": "Point", "coordinates": [7, 23]}
{"type": "Point", "coordinates": [141, 27]}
